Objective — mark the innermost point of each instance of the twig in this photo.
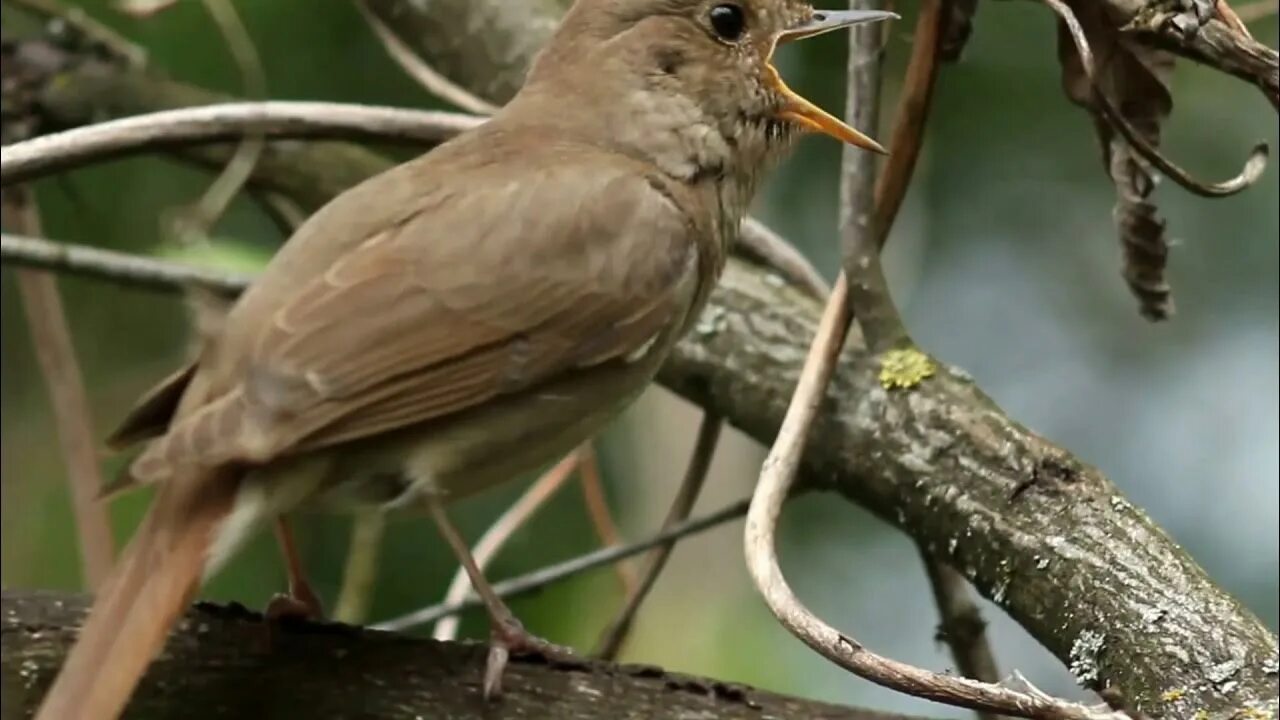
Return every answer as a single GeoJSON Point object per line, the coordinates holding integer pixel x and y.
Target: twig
{"type": "Point", "coordinates": [361, 569]}
{"type": "Point", "coordinates": [285, 119]}
{"type": "Point", "coordinates": [56, 356]}
{"type": "Point", "coordinates": [758, 242]}
{"type": "Point", "coordinates": [80, 21]}
{"type": "Point", "coordinates": [960, 623]}
{"type": "Point", "coordinates": [862, 225]}
{"type": "Point", "coordinates": [909, 121]}
{"type": "Point", "coordinates": [497, 535]}
{"type": "Point", "coordinates": [538, 579]}
{"type": "Point", "coordinates": [118, 267]}
{"type": "Point", "coordinates": [195, 222]}
{"type": "Point", "coordinates": [420, 70]}
{"type": "Point", "coordinates": [704, 448]}
{"type": "Point", "coordinates": [1249, 174]}
{"type": "Point", "coordinates": [228, 121]}
{"type": "Point", "coordinates": [598, 510]}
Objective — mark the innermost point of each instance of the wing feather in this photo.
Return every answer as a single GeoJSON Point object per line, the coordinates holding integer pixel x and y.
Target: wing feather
{"type": "Point", "coordinates": [506, 285]}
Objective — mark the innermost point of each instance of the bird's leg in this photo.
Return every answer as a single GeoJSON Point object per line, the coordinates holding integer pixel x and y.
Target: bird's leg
{"type": "Point", "coordinates": [301, 601]}
{"type": "Point", "coordinates": [506, 633]}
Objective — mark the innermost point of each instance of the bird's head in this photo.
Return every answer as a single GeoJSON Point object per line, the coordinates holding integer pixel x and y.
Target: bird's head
{"type": "Point", "coordinates": [690, 68]}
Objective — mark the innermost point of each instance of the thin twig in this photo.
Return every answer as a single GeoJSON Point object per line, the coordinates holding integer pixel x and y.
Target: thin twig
{"type": "Point", "coordinates": [194, 223]}
{"type": "Point", "coordinates": [1248, 175]}
{"type": "Point", "coordinates": [909, 121]}
{"type": "Point", "coordinates": [227, 121]}
{"type": "Point", "coordinates": [118, 267]}
{"type": "Point", "coordinates": [704, 449]}
{"type": "Point", "coordinates": [960, 623]}
{"type": "Point", "coordinates": [56, 357]}
{"type": "Point", "coordinates": [538, 579]}
{"type": "Point", "coordinates": [598, 511]}
{"type": "Point", "coordinates": [760, 243]}
{"type": "Point", "coordinates": [361, 568]}
{"type": "Point", "coordinates": [863, 227]}
{"type": "Point", "coordinates": [80, 21]}
{"type": "Point", "coordinates": [282, 119]}
{"type": "Point", "coordinates": [500, 532]}
{"type": "Point", "coordinates": [420, 70]}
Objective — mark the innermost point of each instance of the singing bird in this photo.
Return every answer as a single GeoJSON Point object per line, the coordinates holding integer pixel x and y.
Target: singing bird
{"type": "Point", "coordinates": [466, 317]}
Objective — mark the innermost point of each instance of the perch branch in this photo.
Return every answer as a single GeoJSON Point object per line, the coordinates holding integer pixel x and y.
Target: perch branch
{"type": "Point", "coordinates": [210, 669]}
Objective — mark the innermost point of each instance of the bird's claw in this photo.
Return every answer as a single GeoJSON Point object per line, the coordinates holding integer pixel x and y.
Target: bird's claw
{"type": "Point", "coordinates": [508, 637]}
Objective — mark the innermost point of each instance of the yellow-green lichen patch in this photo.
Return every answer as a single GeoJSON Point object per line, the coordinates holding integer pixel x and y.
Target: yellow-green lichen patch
{"type": "Point", "coordinates": [905, 368]}
{"type": "Point", "coordinates": [1173, 695]}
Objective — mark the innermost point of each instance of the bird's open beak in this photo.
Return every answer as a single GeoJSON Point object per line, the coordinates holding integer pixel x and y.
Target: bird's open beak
{"type": "Point", "coordinates": [801, 111]}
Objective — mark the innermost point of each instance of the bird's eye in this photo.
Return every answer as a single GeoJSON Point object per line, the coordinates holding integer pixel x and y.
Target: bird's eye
{"type": "Point", "coordinates": [728, 21]}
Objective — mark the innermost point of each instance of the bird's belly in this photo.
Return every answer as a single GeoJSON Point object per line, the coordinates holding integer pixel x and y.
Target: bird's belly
{"type": "Point", "coordinates": [503, 440]}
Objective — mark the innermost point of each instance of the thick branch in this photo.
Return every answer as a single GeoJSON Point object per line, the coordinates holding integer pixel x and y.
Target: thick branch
{"type": "Point", "coordinates": [224, 662]}
{"type": "Point", "coordinates": [1045, 536]}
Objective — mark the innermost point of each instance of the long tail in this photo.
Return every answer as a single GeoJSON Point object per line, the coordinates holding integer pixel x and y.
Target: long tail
{"type": "Point", "coordinates": [142, 600]}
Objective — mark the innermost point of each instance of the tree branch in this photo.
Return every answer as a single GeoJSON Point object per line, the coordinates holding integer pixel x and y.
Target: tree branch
{"type": "Point", "coordinates": [218, 665]}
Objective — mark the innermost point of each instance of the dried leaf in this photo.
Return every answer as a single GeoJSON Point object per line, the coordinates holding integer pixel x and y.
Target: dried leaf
{"type": "Point", "coordinates": [1135, 78]}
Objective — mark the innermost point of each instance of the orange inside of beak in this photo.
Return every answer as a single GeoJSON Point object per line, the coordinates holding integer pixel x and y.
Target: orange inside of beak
{"type": "Point", "coordinates": [811, 117]}
{"type": "Point", "coordinates": [795, 108]}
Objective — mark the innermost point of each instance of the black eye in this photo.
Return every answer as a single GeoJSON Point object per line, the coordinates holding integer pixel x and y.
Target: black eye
{"type": "Point", "coordinates": [728, 21]}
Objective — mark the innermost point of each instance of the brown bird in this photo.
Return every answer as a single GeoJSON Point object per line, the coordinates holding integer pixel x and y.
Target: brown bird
{"type": "Point", "coordinates": [466, 317]}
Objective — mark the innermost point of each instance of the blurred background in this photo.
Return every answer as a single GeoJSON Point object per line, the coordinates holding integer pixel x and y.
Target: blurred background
{"type": "Point", "coordinates": [1004, 260]}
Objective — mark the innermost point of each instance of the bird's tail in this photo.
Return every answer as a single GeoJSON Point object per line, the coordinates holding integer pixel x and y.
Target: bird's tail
{"type": "Point", "coordinates": [142, 599]}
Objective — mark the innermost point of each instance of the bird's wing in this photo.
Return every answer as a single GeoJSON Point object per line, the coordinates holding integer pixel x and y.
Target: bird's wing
{"type": "Point", "coordinates": [497, 284]}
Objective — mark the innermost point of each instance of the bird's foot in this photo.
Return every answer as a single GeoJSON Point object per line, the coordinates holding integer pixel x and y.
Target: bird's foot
{"type": "Point", "coordinates": [300, 603]}
{"type": "Point", "coordinates": [507, 636]}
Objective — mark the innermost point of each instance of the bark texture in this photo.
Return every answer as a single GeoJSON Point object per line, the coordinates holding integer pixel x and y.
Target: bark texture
{"type": "Point", "coordinates": [225, 662]}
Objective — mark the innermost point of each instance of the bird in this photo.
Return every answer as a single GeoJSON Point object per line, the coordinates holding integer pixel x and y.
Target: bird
{"type": "Point", "coordinates": [462, 318]}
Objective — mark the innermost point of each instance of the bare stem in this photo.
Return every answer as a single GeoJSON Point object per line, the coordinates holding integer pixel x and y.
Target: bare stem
{"type": "Point", "coordinates": [420, 70]}
{"type": "Point", "coordinates": [961, 625]}
{"type": "Point", "coordinates": [361, 569]}
{"type": "Point", "coordinates": [195, 222]}
{"type": "Point", "coordinates": [117, 267]}
{"type": "Point", "coordinates": [598, 511]}
{"type": "Point", "coordinates": [227, 121]}
{"type": "Point", "coordinates": [56, 357]}
{"type": "Point", "coordinates": [704, 448]}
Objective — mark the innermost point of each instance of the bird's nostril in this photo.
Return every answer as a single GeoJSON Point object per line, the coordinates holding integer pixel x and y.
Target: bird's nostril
{"type": "Point", "coordinates": [819, 17]}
